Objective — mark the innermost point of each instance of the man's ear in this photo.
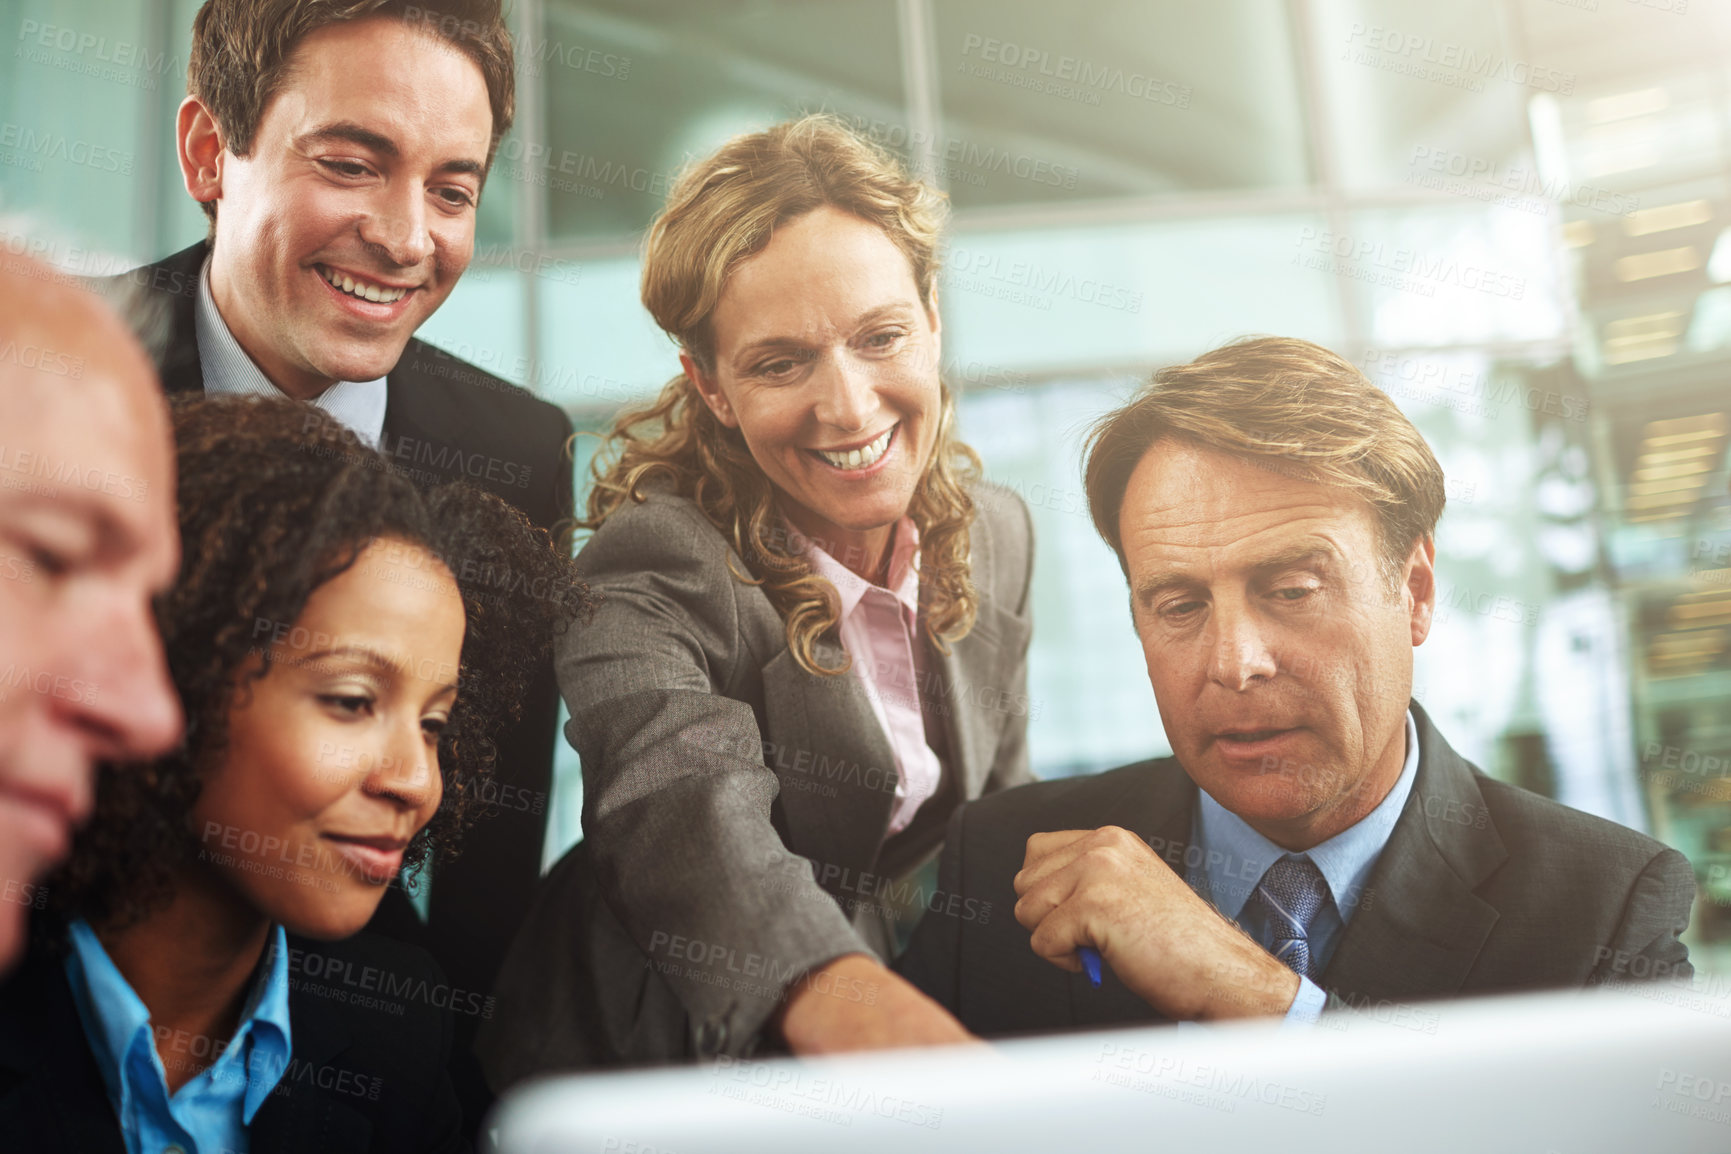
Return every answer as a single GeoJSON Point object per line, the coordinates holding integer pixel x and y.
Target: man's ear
{"type": "Point", "coordinates": [709, 391]}
{"type": "Point", "coordinates": [1419, 586]}
{"type": "Point", "coordinates": [200, 149]}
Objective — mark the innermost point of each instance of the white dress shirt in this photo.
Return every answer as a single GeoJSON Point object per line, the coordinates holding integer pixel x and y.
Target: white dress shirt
{"type": "Point", "coordinates": [228, 371]}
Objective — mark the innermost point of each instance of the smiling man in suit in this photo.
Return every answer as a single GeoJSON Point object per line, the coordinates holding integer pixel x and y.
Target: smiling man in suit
{"type": "Point", "coordinates": [1314, 841]}
{"type": "Point", "coordinates": [339, 150]}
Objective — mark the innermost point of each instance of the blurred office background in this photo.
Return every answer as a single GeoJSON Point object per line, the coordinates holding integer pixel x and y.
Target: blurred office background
{"type": "Point", "coordinates": [1515, 214]}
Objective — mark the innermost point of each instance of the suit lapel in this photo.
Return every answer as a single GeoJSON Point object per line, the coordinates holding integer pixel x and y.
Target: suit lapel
{"type": "Point", "coordinates": [1157, 806]}
{"type": "Point", "coordinates": [970, 689]}
{"type": "Point", "coordinates": [1421, 927]}
{"type": "Point", "coordinates": [974, 701]}
{"type": "Point", "coordinates": [173, 282]}
{"type": "Point", "coordinates": [298, 1115]}
{"type": "Point", "coordinates": [59, 1101]}
{"type": "Point", "coordinates": [419, 396]}
{"type": "Point", "coordinates": [816, 721]}
{"type": "Point", "coordinates": [404, 415]}
{"type": "Point", "coordinates": [304, 1119]}
{"type": "Point", "coordinates": [837, 808]}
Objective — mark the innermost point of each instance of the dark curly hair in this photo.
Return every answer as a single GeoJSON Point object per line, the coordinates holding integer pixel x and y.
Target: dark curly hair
{"type": "Point", "coordinates": [276, 498]}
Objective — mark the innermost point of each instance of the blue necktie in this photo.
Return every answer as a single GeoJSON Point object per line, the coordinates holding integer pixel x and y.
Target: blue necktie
{"type": "Point", "coordinates": [1291, 892]}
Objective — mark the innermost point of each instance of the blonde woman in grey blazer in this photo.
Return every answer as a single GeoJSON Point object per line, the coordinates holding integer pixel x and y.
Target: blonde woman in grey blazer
{"type": "Point", "coordinates": [758, 795]}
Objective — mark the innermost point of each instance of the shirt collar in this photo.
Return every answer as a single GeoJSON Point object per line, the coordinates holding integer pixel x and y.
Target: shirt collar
{"type": "Point", "coordinates": [903, 582]}
{"type": "Point", "coordinates": [228, 371]}
{"type": "Point", "coordinates": [267, 1017]}
{"type": "Point", "coordinates": [113, 1015]}
{"type": "Point", "coordinates": [116, 1020]}
{"type": "Point", "coordinates": [1345, 860]}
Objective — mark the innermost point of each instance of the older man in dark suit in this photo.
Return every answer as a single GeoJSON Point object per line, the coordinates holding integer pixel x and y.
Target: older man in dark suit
{"type": "Point", "coordinates": [1314, 841]}
{"type": "Point", "coordinates": [341, 166]}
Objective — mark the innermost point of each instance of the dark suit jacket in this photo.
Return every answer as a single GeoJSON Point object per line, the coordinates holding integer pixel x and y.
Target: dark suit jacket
{"type": "Point", "coordinates": [733, 800]}
{"type": "Point", "coordinates": [1482, 888]}
{"type": "Point", "coordinates": [444, 420]}
{"type": "Point", "coordinates": [361, 1078]}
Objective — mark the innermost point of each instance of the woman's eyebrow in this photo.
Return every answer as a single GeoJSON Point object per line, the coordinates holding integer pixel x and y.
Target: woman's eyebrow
{"type": "Point", "coordinates": [363, 654]}
{"type": "Point", "coordinates": [871, 316]}
{"type": "Point", "coordinates": [768, 344]}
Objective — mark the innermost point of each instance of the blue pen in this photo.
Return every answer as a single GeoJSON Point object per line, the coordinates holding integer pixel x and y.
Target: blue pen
{"type": "Point", "coordinates": [1090, 963]}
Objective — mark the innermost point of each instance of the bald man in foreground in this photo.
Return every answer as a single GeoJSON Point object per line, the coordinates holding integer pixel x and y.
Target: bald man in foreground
{"type": "Point", "coordinates": [87, 537]}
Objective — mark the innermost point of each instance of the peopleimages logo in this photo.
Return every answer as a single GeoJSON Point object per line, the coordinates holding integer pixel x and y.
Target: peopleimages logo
{"type": "Point", "coordinates": [1465, 390]}
{"type": "Point", "coordinates": [38, 146]}
{"type": "Point", "coordinates": [1400, 268]}
{"type": "Point", "coordinates": [343, 979]}
{"type": "Point", "coordinates": [55, 473]}
{"type": "Point", "coordinates": [1486, 179]}
{"type": "Point", "coordinates": [816, 1094]}
{"type": "Point", "coordinates": [965, 159]}
{"type": "Point", "coordinates": [1214, 1086]}
{"type": "Point", "coordinates": [1425, 57]}
{"type": "Point", "coordinates": [1027, 282]}
{"type": "Point", "coordinates": [88, 54]}
{"type": "Point", "coordinates": [46, 683]}
{"type": "Point", "coordinates": [99, 48]}
{"type": "Point", "coordinates": [1069, 77]}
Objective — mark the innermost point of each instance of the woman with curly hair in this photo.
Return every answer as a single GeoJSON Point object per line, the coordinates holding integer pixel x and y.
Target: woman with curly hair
{"type": "Point", "coordinates": [344, 646]}
{"type": "Point", "coordinates": [812, 642]}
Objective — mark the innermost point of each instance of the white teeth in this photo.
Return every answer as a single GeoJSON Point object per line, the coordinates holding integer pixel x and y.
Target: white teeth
{"type": "Point", "coordinates": [371, 292]}
{"type": "Point", "coordinates": [860, 458]}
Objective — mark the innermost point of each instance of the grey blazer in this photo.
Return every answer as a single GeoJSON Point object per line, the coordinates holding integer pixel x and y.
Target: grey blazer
{"type": "Point", "coordinates": [1482, 888]}
{"type": "Point", "coordinates": [735, 807]}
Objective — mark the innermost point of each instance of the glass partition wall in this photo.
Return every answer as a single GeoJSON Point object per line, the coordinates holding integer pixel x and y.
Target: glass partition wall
{"type": "Point", "coordinates": [1514, 214]}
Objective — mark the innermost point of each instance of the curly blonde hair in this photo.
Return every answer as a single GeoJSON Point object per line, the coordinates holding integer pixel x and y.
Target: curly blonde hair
{"type": "Point", "coordinates": [722, 210]}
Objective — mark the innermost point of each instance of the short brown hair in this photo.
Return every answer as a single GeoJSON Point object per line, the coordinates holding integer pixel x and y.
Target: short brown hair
{"type": "Point", "coordinates": [1286, 404]}
{"type": "Point", "coordinates": [242, 51]}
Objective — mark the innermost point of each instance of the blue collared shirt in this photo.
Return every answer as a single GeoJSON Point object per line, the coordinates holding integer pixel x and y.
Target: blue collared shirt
{"type": "Point", "coordinates": [1233, 858]}
{"type": "Point", "coordinates": [359, 405]}
{"type": "Point", "coordinates": [209, 1114]}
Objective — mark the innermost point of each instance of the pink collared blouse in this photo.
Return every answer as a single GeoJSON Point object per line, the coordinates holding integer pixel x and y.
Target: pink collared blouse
{"type": "Point", "coordinates": [880, 628]}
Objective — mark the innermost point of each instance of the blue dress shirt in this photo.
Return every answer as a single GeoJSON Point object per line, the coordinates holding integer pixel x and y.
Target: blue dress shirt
{"type": "Point", "coordinates": [1232, 858]}
{"type": "Point", "coordinates": [360, 405]}
{"type": "Point", "coordinates": [209, 1114]}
